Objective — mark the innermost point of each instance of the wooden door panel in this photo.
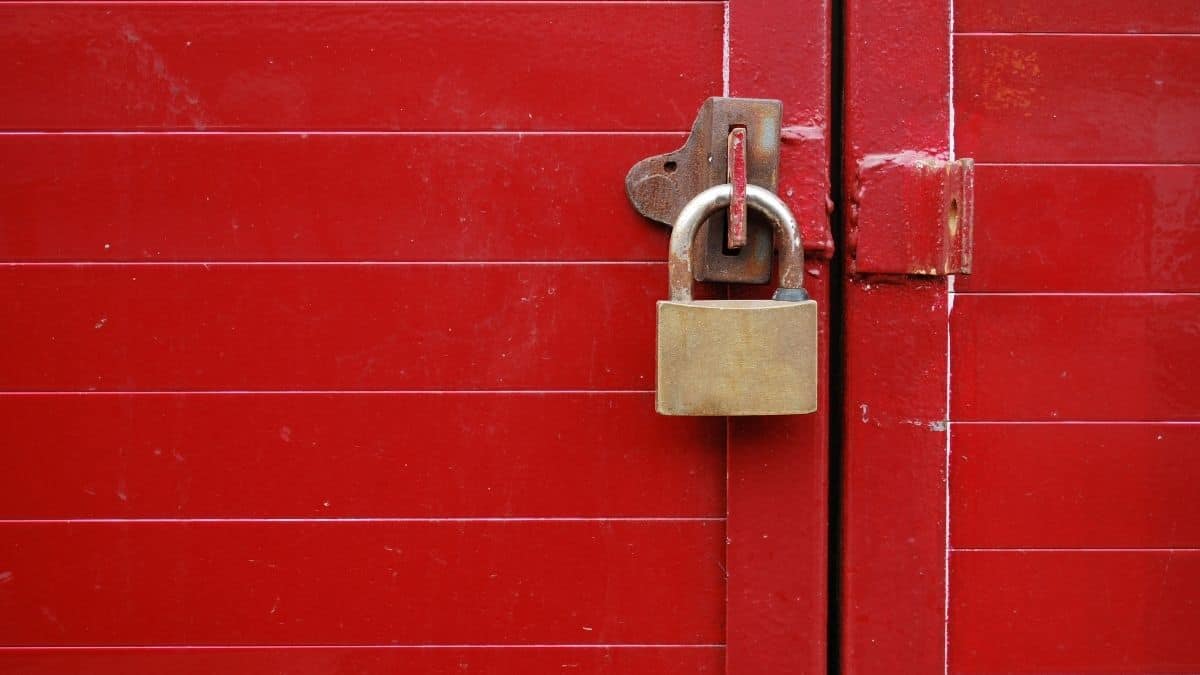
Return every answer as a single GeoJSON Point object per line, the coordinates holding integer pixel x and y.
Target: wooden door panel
{"type": "Point", "coordinates": [346, 582]}
{"type": "Point", "coordinates": [371, 659]}
{"type": "Point", "coordinates": [294, 282]}
{"type": "Point", "coordinates": [1100, 485]}
{"type": "Point", "coordinates": [354, 455]}
{"type": "Point", "coordinates": [1075, 357]}
{"type": "Point", "coordinates": [1077, 98]}
{"type": "Point", "coordinates": [1073, 544]}
{"type": "Point", "coordinates": [1104, 228]}
{"type": "Point", "coordinates": [1019, 457]}
{"type": "Point", "coordinates": [175, 327]}
{"type": "Point", "coordinates": [1082, 16]}
{"type": "Point", "coordinates": [1074, 611]}
{"type": "Point", "coordinates": [407, 65]}
{"type": "Point", "coordinates": [301, 196]}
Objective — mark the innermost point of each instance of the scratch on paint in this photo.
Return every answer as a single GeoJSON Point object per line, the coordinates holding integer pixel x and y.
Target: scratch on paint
{"type": "Point", "coordinates": [902, 158]}
{"type": "Point", "coordinates": [183, 101]}
{"type": "Point", "coordinates": [805, 132]}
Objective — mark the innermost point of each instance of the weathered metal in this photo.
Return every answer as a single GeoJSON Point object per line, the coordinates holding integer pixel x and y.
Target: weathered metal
{"type": "Point", "coordinates": [912, 213]}
{"type": "Point", "coordinates": [660, 185]}
{"type": "Point", "coordinates": [736, 357]}
{"type": "Point", "coordinates": [735, 230]}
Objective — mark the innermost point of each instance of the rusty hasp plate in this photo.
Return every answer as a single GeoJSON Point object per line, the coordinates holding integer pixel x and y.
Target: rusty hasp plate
{"type": "Point", "coordinates": [659, 186]}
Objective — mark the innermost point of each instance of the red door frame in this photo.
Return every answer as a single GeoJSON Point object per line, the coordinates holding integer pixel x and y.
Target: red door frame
{"type": "Point", "coordinates": [895, 390]}
{"type": "Point", "coordinates": [777, 527]}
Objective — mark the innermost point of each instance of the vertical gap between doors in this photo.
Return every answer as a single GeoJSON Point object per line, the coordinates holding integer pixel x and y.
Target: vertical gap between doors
{"type": "Point", "coordinates": [837, 351]}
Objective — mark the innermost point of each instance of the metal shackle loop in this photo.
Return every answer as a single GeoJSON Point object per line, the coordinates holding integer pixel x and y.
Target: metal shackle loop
{"type": "Point", "coordinates": [703, 205]}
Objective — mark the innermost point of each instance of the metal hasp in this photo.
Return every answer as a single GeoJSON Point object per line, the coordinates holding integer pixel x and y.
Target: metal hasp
{"type": "Point", "coordinates": [912, 214]}
{"type": "Point", "coordinates": [659, 186]}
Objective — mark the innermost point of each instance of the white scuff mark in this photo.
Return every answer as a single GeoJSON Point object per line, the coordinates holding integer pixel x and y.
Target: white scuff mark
{"type": "Point", "coordinates": [932, 425]}
{"type": "Point", "coordinates": [950, 131]}
{"type": "Point", "coordinates": [725, 53]}
{"type": "Point", "coordinates": [101, 323]}
{"type": "Point", "coordinates": [804, 132]}
{"type": "Point", "coordinates": [902, 158]}
{"type": "Point", "coordinates": [182, 100]}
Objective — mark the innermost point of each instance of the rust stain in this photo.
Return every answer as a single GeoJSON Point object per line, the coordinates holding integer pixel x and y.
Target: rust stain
{"type": "Point", "coordinates": [1011, 79]}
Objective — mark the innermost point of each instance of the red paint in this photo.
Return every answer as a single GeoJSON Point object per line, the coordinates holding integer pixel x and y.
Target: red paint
{"type": "Point", "coordinates": [375, 583]}
{"type": "Point", "coordinates": [1075, 611]}
{"type": "Point", "coordinates": [1037, 98]}
{"type": "Point", "coordinates": [296, 196]}
{"type": "Point", "coordinates": [1063, 357]}
{"type": "Point", "coordinates": [1076, 542]}
{"type": "Point", "coordinates": [285, 327]}
{"type": "Point", "coordinates": [407, 290]}
{"type": "Point", "coordinates": [1075, 485]}
{"type": "Point", "coordinates": [897, 100]}
{"type": "Point", "coordinates": [381, 659]}
{"type": "Point", "coordinates": [404, 66]}
{"type": "Point", "coordinates": [1077, 16]}
{"type": "Point", "coordinates": [894, 481]}
{"type": "Point", "coordinates": [1112, 228]}
{"type": "Point", "coordinates": [779, 468]}
{"type": "Point", "coordinates": [355, 455]}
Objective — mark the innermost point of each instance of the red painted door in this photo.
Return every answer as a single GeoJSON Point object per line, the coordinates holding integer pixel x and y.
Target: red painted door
{"type": "Point", "coordinates": [328, 340]}
{"type": "Point", "coordinates": [1020, 462]}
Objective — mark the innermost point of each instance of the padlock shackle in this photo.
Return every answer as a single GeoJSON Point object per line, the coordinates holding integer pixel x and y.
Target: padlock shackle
{"type": "Point", "coordinates": [703, 205]}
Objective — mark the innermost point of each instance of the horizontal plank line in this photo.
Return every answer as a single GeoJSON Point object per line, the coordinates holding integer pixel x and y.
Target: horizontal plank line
{"type": "Point", "coordinates": [1080, 422]}
{"type": "Point", "coordinates": [328, 263]}
{"type": "Point", "coordinates": [1085, 165]}
{"type": "Point", "coordinates": [1075, 550]}
{"type": "Point", "coordinates": [336, 132]}
{"type": "Point", "coordinates": [328, 392]}
{"type": "Point", "coordinates": [616, 645]}
{"type": "Point", "coordinates": [351, 519]}
{"type": "Point", "coordinates": [1069, 294]}
{"type": "Point", "coordinates": [1067, 34]}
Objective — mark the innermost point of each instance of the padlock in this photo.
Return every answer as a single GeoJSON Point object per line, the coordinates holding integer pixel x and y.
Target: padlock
{"type": "Point", "coordinates": [737, 357]}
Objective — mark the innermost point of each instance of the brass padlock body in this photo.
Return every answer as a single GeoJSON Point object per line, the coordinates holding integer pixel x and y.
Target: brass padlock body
{"type": "Point", "coordinates": [737, 357]}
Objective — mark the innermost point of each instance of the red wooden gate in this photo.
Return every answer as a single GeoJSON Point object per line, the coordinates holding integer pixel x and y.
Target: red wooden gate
{"type": "Point", "coordinates": [328, 341]}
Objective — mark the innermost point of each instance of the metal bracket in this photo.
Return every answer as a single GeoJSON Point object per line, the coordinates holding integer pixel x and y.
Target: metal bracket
{"type": "Point", "coordinates": [659, 186]}
{"type": "Point", "coordinates": [912, 214]}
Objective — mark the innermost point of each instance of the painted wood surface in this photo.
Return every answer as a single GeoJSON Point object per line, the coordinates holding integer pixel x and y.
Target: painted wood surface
{"type": "Point", "coordinates": [1074, 349]}
{"type": "Point", "coordinates": [342, 307]}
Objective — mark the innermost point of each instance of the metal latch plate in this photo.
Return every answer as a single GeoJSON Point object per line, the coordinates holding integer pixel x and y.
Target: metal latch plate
{"type": "Point", "coordinates": [659, 186]}
{"type": "Point", "coordinates": [913, 214]}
